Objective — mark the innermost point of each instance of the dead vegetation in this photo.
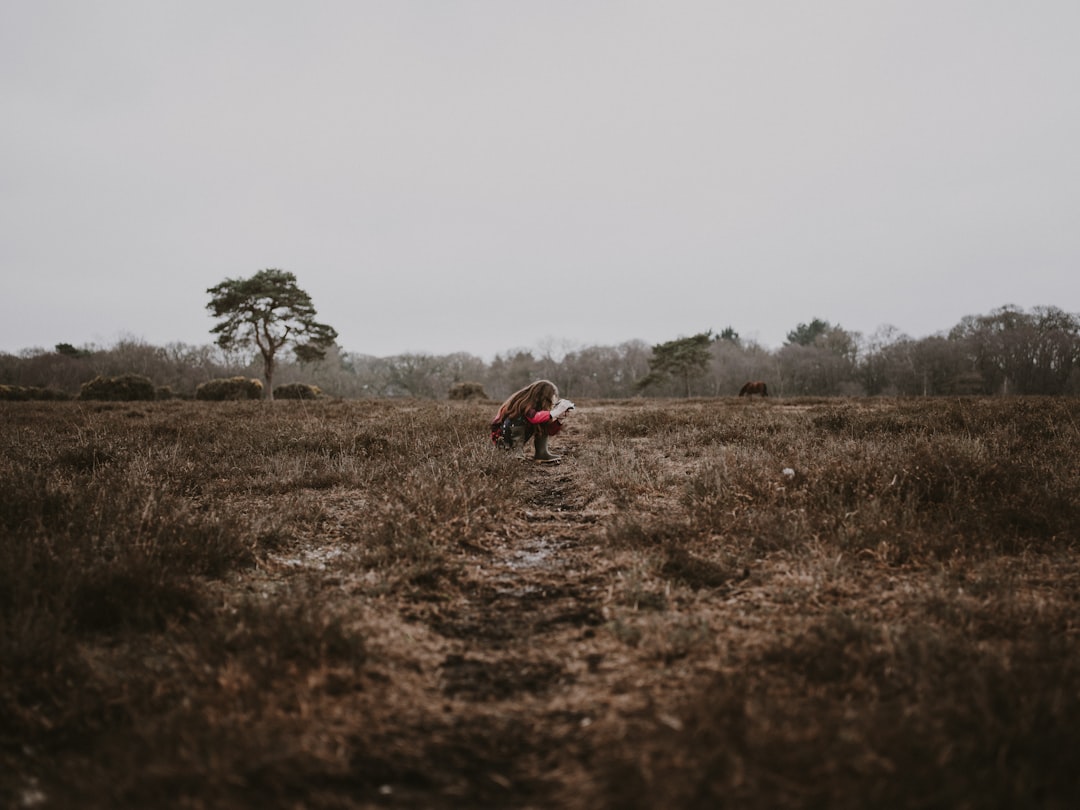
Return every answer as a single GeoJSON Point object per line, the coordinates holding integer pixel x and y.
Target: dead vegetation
{"type": "Point", "coordinates": [709, 603]}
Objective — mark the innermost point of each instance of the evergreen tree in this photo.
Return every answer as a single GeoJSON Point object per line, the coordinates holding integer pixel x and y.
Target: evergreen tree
{"type": "Point", "coordinates": [682, 359]}
{"type": "Point", "coordinates": [271, 312]}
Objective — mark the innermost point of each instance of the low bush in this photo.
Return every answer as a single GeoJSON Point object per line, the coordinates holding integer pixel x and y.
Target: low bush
{"type": "Point", "coordinates": [467, 391]}
{"type": "Point", "coordinates": [166, 392]}
{"type": "Point", "coordinates": [25, 393]}
{"type": "Point", "coordinates": [297, 391]}
{"type": "Point", "coordinates": [229, 388]}
{"type": "Point", "coordinates": [124, 388]}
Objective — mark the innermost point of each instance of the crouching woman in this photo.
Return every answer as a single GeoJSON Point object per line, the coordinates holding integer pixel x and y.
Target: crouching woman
{"type": "Point", "coordinates": [531, 413]}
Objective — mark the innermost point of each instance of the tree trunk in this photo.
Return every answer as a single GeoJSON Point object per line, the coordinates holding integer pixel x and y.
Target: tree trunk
{"type": "Point", "coordinates": [268, 372]}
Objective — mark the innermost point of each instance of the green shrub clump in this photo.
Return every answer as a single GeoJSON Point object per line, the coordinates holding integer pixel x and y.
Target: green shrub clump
{"type": "Point", "coordinates": [297, 391]}
{"type": "Point", "coordinates": [125, 388]}
{"type": "Point", "coordinates": [229, 388]}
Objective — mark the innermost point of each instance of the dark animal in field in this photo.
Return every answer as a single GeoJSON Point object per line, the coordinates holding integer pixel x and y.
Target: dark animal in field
{"type": "Point", "coordinates": [756, 387]}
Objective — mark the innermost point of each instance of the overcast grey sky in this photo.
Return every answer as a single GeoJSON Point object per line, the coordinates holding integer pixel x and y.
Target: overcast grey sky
{"type": "Point", "coordinates": [484, 175]}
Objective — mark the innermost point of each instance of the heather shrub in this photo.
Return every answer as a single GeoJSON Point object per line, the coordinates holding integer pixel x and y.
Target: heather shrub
{"type": "Point", "coordinates": [467, 391]}
{"type": "Point", "coordinates": [297, 391]}
{"type": "Point", "coordinates": [124, 388]}
{"type": "Point", "coordinates": [26, 393]}
{"type": "Point", "coordinates": [229, 388]}
{"type": "Point", "coordinates": [852, 714]}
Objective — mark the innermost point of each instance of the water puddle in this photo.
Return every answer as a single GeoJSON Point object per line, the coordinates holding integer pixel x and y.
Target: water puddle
{"type": "Point", "coordinates": [538, 555]}
{"type": "Point", "coordinates": [315, 558]}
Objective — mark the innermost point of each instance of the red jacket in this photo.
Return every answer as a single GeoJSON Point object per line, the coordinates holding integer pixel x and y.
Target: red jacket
{"type": "Point", "coordinates": [551, 426]}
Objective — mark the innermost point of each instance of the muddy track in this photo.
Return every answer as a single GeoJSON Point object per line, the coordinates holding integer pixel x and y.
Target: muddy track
{"type": "Point", "coordinates": [516, 653]}
{"type": "Point", "coordinates": [518, 644]}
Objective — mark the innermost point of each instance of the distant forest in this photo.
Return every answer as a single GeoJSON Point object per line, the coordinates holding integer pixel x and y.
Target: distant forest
{"type": "Point", "coordinates": [1008, 351]}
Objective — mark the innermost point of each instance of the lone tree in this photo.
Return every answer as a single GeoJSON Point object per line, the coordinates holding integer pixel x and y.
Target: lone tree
{"type": "Point", "coordinates": [682, 359]}
{"type": "Point", "coordinates": [271, 312]}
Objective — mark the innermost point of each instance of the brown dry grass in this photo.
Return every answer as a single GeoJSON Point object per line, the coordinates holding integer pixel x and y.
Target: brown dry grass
{"type": "Point", "coordinates": [361, 604]}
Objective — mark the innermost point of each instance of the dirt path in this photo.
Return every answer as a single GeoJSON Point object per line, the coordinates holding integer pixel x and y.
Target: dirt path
{"type": "Point", "coordinates": [495, 686]}
{"type": "Point", "coordinates": [521, 650]}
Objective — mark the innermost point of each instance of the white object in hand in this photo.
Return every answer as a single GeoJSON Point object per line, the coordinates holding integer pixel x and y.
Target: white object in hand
{"type": "Point", "coordinates": [561, 408]}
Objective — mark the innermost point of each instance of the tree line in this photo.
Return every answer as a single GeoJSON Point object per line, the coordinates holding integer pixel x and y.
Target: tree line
{"type": "Point", "coordinates": [1008, 351]}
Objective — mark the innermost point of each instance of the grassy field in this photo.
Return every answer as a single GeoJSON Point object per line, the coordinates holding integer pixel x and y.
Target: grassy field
{"type": "Point", "coordinates": [708, 603]}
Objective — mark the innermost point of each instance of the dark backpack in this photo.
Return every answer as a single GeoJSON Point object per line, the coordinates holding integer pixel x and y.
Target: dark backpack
{"type": "Point", "coordinates": [502, 433]}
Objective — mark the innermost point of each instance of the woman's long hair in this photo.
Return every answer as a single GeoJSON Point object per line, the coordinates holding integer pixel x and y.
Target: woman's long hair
{"type": "Point", "coordinates": [538, 396]}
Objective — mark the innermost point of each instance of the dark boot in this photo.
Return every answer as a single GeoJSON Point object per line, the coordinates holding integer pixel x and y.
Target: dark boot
{"type": "Point", "coordinates": [540, 447]}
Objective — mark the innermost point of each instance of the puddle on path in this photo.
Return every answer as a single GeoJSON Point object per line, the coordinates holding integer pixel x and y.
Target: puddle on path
{"type": "Point", "coordinates": [316, 558]}
{"type": "Point", "coordinates": [539, 554]}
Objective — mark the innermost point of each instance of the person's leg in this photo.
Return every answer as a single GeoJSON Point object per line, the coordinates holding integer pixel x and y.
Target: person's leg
{"type": "Point", "coordinates": [540, 447]}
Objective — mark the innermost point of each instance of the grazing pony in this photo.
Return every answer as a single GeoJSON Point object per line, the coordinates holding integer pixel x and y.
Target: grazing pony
{"type": "Point", "coordinates": [756, 387]}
